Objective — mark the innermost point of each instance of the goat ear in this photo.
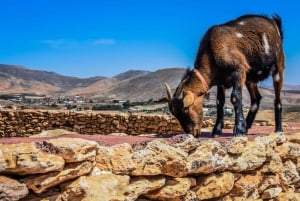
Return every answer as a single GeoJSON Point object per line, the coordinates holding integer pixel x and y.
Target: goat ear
{"type": "Point", "coordinates": [188, 98]}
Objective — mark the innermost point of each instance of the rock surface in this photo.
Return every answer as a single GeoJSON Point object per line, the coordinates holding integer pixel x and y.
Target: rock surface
{"type": "Point", "coordinates": [11, 189]}
{"type": "Point", "coordinates": [71, 171]}
{"type": "Point", "coordinates": [183, 169]}
{"type": "Point", "coordinates": [27, 158]}
{"type": "Point", "coordinates": [160, 158]}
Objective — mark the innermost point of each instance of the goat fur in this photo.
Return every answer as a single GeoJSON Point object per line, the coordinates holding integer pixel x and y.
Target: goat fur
{"type": "Point", "coordinates": [240, 52]}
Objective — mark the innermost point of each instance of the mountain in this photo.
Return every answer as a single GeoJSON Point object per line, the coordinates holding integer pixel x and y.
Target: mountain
{"type": "Point", "coordinates": [140, 85]}
{"type": "Point", "coordinates": [22, 79]}
{"type": "Point", "coordinates": [130, 74]}
{"type": "Point", "coordinates": [133, 85]}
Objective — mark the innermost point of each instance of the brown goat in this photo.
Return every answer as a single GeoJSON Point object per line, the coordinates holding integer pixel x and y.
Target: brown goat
{"type": "Point", "coordinates": [240, 52]}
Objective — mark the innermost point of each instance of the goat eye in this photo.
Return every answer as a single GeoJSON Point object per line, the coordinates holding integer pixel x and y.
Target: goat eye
{"type": "Point", "coordinates": [186, 110]}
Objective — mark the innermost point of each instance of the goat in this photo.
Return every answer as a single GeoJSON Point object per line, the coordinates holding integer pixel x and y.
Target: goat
{"type": "Point", "coordinates": [240, 52]}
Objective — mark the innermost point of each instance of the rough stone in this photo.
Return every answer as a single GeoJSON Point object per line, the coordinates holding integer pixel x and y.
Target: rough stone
{"type": "Point", "coordinates": [188, 143]}
{"type": "Point", "coordinates": [160, 158]}
{"type": "Point", "coordinates": [237, 145]}
{"type": "Point", "coordinates": [71, 171]}
{"type": "Point", "coordinates": [272, 139]}
{"type": "Point", "coordinates": [271, 193]}
{"type": "Point", "coordinates": [174, 189]}
{"type": "Point", "coordinates": [110, 187]}
{"type": "Point", "coordinates": [93, 188]}
{"type": "Point", "coordinates": [11, 190]}
{"type": "Point", "coordinates": [290, 173]}
{"type": "Point", "coordinates": [190, 196]}
{"type": "Point", "coordinates": [289, 195]}
{"type": "Point", "coordinates": [246, 186]}
{"type": "Point", "coordinates": [214, 185]}
{"type": "Point", "coordinates": [26, 158]}
{"type": "Point", "coordinates": [50, 195]}
{"type": "Point", "coordinates": [116, 159]}
{"type": "Point", "coordinates": [269, 181]}
{"type": "Point", "coordinates": [33, 122]}
{"type": "Point", "coordinates": [143, 185]}
{"type": "Point", "coordinates": [289, 150]}
{"type": "Point", "coordinates": [273, 164]}
{"type": "Point", "coordinates": [295, 138]}
{"type": "Point", "coordinates": [252, 157]}
{"type": "Point", "coordinates": [73, 149]}
{"type": "Point", "coordinates": [209, 157]}
{"type": "Point", "coordinates": [180, 169]}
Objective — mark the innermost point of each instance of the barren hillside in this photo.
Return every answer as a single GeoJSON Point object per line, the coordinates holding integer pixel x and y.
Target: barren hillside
{"type": "Point", "coordinates": [133, 85]}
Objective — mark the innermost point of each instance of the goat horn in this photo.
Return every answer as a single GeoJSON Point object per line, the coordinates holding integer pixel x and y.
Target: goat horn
{"type": "Point", "coordinates": [179, 88]}
{"type": "Point", "coordinates": [169, 93]}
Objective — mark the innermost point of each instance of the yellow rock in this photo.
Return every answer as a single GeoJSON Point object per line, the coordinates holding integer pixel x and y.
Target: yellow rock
{"type": "Point", "coordinates": [109, 187]}
{"type": "Point", "coordinates": [26, 158]}
{"type": "Point", "coordinates": [71, 171]}
{"type": "Point", "coordinates": [73, 149]}
{"type": "Point", "coordinates": [174, 189]}
{"type": "Point", "coordinates": [116, 159]}
{"type": "Point", "coordinates": [214, 185]}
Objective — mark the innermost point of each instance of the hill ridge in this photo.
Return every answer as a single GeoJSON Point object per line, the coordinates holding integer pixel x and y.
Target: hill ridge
{"type": "Point", "coordinates": [135, 85]}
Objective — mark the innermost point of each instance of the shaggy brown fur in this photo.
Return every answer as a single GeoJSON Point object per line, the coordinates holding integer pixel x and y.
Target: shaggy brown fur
{"type": "Point", "coordinates": [241, 52]}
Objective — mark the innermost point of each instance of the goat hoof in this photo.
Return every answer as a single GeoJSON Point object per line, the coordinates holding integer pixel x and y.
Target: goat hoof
{"type": "Point", "coordinates": [239, 133]}
{"type": "Point", "coordinates": [216, 135]}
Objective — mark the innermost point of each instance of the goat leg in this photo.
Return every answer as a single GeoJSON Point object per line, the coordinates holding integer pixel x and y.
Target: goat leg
{"type": "Point", "coordinates": [220, 112]}
{"type": "Point", "coordinates": [240, 127]}
{"type": "Point", "coordinates": [255, 102]}
{"type": "Point", "coordinates": [277, 83]}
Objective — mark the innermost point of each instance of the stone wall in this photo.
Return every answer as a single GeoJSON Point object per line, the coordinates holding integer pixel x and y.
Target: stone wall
{"type": "Point", "coordinates": [29, 122]}
{"type": "Point", "coordinates": [184, 170]}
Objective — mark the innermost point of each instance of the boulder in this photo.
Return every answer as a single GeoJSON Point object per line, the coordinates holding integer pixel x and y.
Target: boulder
{"type": "Point", "coordinates": [246, 186]}
{"type": "Point", "coordinates": [26, 158]}
{"type": "Point", "coordinates": [73, 149]}
{"type": "Point", "coordinates": [289, 195]}
{"type": "Point", "coordinates": [159, 158]}
{"type": "Point", "coordinates": [288, 150]}
{"type": "Point", "coordinates": [237, 145]}
{"type": "Point", "coordinates": [11, 190]}
{"type": "Point", "coordinates": [252, 156]}
{"type": "Point", "coordinates": [214, 185]}
{"type": "Point", "coordinates": [116, 159]}
{"type": "Point", "coordinates": [290, 173]}
{"type": "Point", "coordinates": [187, 143]}
{"type": "Point", "coordinates": [269, 181]}
{"type": "Point", "coordinates": [174, 189]}
{"type": "Point", "coordinates": [71, 171]}
{"type": "Point", "coordinates": [271, 193]}
{"type": "Point", "coordinates": [110, 187]}
{"type": "Point", "coordinates": [209, 157]}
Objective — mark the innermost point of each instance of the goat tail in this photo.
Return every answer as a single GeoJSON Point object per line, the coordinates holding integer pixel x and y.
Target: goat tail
{"type": "Point", "coordinates": [278, 21]}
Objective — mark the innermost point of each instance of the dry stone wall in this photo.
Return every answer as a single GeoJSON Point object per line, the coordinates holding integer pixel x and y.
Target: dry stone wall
{"type": "Point", "coordinates": [185, 170]}
{"type": "Point", "coordinates": [29, 122]}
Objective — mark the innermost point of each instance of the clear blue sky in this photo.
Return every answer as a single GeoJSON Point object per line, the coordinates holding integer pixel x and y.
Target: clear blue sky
{"type": "Point", "coordinates": [87, 38]}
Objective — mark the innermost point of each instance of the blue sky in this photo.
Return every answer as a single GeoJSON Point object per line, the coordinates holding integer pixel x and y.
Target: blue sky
{"type": "Point", "coordinates": [85, 38]}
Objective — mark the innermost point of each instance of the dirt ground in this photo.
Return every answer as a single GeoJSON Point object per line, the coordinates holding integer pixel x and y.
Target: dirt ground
{"type": "Point", "coordinates": [256, 130]}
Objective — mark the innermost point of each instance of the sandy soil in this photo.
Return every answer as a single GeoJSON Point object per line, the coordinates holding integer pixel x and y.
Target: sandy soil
{"type": "Point", "coordinates": [290, 128]}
